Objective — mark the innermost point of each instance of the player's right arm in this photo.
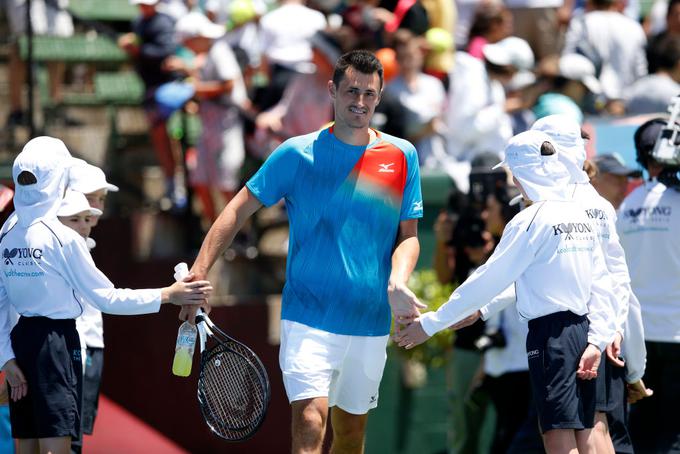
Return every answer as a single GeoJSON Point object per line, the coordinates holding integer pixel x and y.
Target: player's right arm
{"type": "Point", "coordinates": [223, 231]}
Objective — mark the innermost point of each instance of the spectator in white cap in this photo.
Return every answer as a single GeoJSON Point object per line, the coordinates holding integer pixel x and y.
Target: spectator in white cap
{"type": "Point", "coordinates": [611, 378]}
{"type": "Point", "coordinates": [477, 118]}
{"type": "Point", "coordinates": [91, 181]}
{"type": "Point", "coordinates": [221, 93]}
{"type": "Point", "coordinates": [549, 251]}
{"type": "Point", "coordinates": [44, 263]}
{"type": "Point", "coordinates": [573, 84]}
{"type": "Point", "coordinates": [614, 43]}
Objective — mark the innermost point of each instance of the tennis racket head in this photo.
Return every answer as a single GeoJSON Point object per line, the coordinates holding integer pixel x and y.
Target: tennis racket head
{"type": "Point", "coordinates": [243, 349]}
{"type": "Point", "coordinates": [233, 393]}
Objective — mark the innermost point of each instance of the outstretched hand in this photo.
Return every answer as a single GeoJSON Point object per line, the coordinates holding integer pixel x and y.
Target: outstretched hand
{"type": "Point", "coordinates": [410, 336]}
{"type": "Point", "coordinates": [637, 391]}
{"type": "Point", "coordinates": [404, 303]}
{"type": "Point", "coordinates": [589, 363]}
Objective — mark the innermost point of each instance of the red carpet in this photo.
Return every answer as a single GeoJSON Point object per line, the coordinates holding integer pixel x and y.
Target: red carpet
{"type": "Point", "coordinates": [118, 431]}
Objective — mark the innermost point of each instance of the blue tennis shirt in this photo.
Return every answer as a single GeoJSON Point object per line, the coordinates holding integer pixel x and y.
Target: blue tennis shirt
{"type": "Point", "coordinates": [344, 206]}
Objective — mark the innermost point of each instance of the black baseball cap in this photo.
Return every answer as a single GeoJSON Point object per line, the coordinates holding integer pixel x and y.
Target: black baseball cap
{"type": "Point", "coordinates": [612, 163]}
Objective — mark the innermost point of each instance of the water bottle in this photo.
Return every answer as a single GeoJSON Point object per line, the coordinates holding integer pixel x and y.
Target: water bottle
{"type": "Point", "coordinates": [184, 350]}
{"type": "Point", "coordinates": [186, 337]}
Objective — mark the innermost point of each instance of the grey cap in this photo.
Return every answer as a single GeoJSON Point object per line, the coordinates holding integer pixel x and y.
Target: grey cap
{"type": "Point", "coordinates": [612, 163]}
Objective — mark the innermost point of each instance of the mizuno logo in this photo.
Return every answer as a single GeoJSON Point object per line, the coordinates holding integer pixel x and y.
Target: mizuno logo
{"type": "Point", "coordinates": [418, 206]}
{"type": "Point", "coordinates": [385, 168]}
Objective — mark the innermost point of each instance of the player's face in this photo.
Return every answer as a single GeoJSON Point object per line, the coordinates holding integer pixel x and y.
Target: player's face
{"type": "Point", "coordinates": [81, 223]}
{"type": "Point", "coordinates": [355, 98]}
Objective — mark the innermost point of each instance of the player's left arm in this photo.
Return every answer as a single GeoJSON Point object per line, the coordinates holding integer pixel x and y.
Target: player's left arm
{"type": "Point", "coordinates": [404, 303]}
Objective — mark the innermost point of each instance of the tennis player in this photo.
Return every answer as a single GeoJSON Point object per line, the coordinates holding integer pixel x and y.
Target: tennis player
{"type": "Point", "coordinates": [550, 251]}
{"type": "Point", "coordinates": [353, 199]}
{"type": "Point", "coordinates": [43, 263]}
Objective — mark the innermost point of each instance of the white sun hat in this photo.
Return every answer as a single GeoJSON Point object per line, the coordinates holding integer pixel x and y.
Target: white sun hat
{"type": "Point", "coordinates": [75, 202]}
{"type": "Point", "coordinates": [565, 133]}
{"type": "Point", "coordinates": [578, 67]}
{"type": "Point", "coordinates": [511, 51]}
{"type": "Point", "coordinates": [87, 179]}
{"type": "Point", "coordinates": [195, 25]}
{"type": "Point", "coordinates": [541, 177]}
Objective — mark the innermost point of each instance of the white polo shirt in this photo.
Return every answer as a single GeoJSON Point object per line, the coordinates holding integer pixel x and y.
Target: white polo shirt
{"type": "Point", "coordinates": [550, 250]}
{"type": "Point", "coordinates": [43, 265]}
{"type": "Point", "coordinates": [649, 227]}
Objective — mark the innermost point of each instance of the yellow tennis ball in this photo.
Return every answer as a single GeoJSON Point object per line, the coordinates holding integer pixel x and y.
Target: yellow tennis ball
{"type": "Point", "coordinates": [241, 11]}
{"type": "Point", "coordinates": [439, 39]}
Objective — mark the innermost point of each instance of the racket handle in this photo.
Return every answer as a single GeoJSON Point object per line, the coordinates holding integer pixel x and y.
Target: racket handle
{"type": "Point", "coordinates": [182, 271]}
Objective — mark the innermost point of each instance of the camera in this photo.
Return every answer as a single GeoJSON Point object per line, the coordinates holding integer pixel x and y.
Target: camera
{"type": "Point", "coordinates": [666, 149]}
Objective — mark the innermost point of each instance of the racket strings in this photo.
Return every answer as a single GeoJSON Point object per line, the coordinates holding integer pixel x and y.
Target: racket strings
{"type": "Point", "coordinates": [232, 393]}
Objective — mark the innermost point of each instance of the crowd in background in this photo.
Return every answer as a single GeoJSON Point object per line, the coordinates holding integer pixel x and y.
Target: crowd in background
{"type": "Point", "coordinates": [460, 77]}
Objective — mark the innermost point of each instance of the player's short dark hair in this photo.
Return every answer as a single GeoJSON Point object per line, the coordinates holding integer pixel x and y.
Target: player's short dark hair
{"type": "Point", "coordinates": [668, 52]}
{"type": "Point", "coordinates": [547, 149]}
{"type": "Point", "coordinates": [26, 178]}
{"type": "Point", "coordinates": [362, 60]}
{"type": "Point", "coordinates": [671, 5]}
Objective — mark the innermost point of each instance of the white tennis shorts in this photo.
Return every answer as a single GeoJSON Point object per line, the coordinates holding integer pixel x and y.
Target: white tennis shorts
{"type": "Point", "coordinates": [346, 369]}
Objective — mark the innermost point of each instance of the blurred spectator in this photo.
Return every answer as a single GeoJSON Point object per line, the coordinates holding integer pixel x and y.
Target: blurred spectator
{"type": "Point", "coordinates": [240, 17]}
{"type": "Point", "coordinates": [442, 19]}
{"type": "Point", "coordinates": [465, 10]}
{"type": "Point", "coordinates": [305, 106]}
{"type": "Point", "coordinates": [48, 18]}
{"type": "Point", "coordinates": [541, 23]}
{"type": "Point", "coordinates": [221, 93]}
{"type": "Point", "coordinates": [612, 178]}
{"type": "Point", "coordinates": [477, 117]}
{"type": "Point", "coordinates": [570, 89]}
{"type": "Point", "coordinates": [651, 93]}
{"type": "Point", "coordinates": [422, 98]}
{"type": "Point", "coordinates": [671, 28]}
{"type": "Point", "coordinates": [149, 44]}
{"type": "Point", "coordinates": [285, 43]}
{"type": "Point", "coordinates": [614, 43]}
{"type": "Point", "coordinates": [491, 23]}
{"type": "Point", "coordinates": [406, 14]}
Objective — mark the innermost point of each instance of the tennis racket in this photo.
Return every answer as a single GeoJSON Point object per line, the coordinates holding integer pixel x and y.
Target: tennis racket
{"type": "Point", "coordinates": [233, 386]}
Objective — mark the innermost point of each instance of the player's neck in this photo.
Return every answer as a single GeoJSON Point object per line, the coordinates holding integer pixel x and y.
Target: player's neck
{"type": "Point", "coordinates": [354, 136]}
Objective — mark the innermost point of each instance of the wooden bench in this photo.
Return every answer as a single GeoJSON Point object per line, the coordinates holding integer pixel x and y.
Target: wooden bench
{"type": "Point", "coordinates": [103, 10]}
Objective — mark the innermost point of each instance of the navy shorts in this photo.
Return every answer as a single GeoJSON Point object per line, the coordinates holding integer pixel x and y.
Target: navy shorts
{"type": "Point", "coordinates": [91, 384]}
{"type": "Point", "coordinates": [611, 388]}
{"type": "Point", "coordinates": [48, 353]}
{"type": "Point", "coordinates": [555, 344]}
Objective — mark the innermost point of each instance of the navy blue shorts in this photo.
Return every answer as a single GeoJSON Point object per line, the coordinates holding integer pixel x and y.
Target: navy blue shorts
{"type": "Point", "coordinates": [48, 353]}
{"type": "Point", "coordinates": [611, 388]}
{"type": "Point", "coordinates": [92, 380]}
{"type": "Point", "coordinates": [555, 344]}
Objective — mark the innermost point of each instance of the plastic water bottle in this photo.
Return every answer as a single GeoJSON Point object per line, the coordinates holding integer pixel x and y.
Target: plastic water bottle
{"type": "Point", "coordinates": [186, 337]}
{"type": "Point", "coordinates": [184, 350]}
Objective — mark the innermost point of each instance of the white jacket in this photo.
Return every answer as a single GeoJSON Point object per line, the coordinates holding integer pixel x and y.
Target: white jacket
{"type": "Point", "coordinates": [550, 250]}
